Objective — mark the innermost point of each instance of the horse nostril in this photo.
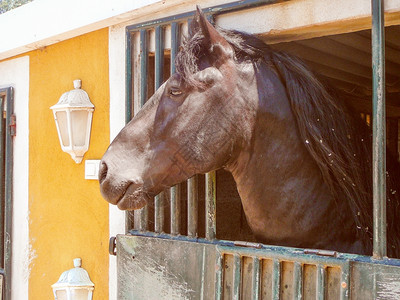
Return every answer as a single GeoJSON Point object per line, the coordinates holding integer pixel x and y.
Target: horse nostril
{"type": "Point", "coordinates": [102, 172]}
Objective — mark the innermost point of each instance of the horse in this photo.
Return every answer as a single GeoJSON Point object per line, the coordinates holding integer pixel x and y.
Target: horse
{"type": "Point", "coordinates": [300, 157]}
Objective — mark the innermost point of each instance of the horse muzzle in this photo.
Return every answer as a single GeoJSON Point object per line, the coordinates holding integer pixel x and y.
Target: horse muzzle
{"type": "Point", "coordinates": [126, 194]}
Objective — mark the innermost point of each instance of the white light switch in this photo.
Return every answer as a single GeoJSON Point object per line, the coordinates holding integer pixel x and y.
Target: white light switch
{"type": "Point", "coordinates": [92, 169]}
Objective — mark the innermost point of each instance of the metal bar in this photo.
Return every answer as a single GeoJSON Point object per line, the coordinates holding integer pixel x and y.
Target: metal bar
{"type": "Point", "coordinates": [8, 193]}
{"type": "Point", "coordinates": [159, 71]}
{"type": "Point", "coordinates": [276, 279]}
{"type": "Point", "coordinates": [378, 129]}
{"type": "Point", "coordinates": [345, 282]}
{"type": "Point", "coordinates": [129, 215]}
{"type": "Point", "coordinates": [320, 288]}
{"type": "Point", "coordinates": [129, 79]}
{"type": "Point", "coordinates": [297, 281]}
{"type": "Point", "coordinates": [211, 205]}
{"type": "Point", "coordinates": [193, 198]}
{"type": "Point", "coordinates": [175, 41]}
{"type": "Point", "coordinates": [218, 276]}
{"type": "Point", "coordinates": [237, 272]}
{"type": "Point", "coordinates": [159, 56]}
{"type": "Point", "coordinates": [175, 191]}
{"type": "Point", "coordinates": [215, 10]}
{"type": "Point", "coordinates": [2, 177]}
{"type": "Point", "coordinates": [159, 213]}
{"type": "Point", "coordinates": [256, 279]}
{"type": "Point", "coordinates": [141, 215]}
{"type": "Point", "coordinates": [175, 194]}
{"type": "Point", "coordinates": [143, 66]}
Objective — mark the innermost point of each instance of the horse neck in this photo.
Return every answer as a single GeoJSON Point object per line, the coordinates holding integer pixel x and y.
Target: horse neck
{"type": "Point", "coordinates": [277, 178]}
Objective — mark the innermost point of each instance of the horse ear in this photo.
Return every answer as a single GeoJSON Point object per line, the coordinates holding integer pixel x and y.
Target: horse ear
{"type": "Point", "coordinates": [218, 44]}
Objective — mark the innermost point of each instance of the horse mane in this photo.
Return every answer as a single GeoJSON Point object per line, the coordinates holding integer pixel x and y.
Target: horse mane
{"type": "Point", "coordinates": [337, 138]}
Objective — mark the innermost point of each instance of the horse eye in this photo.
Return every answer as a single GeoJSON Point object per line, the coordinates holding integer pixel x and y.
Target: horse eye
{"type": "Point", "coordinates": [175, 92]}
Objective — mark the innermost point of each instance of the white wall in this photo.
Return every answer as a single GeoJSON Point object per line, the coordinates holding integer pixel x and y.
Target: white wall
{"type": "Point", "coordinates": [15, 73]}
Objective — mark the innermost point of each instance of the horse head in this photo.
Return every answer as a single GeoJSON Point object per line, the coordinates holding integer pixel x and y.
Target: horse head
{"type": "Point", "coordinates": [192, 124]}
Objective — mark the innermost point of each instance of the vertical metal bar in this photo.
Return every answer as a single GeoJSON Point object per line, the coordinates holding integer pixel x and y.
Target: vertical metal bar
{"type": "Point", "coordinates": [2, 177]}
{"type": "Point", "coordinates": [237, 272]}
{"type": "Point", "coordinates": [159, 56]}
{"type": "Point", "coordinates": [320, 282]}
{"type": "Point", "coordinates": [141, 215]}
{"type": "Point", "coordinates": [256, 278]}
{"type": "Point", "coordinates": [297, 281]}
{"type": "Point", "coordinates": [128, 98]}
{"type": "Point", "coordinates": [129, 215]}
{"type": "Point", "coordinates": [211, 205]}
{"type": "Point", "coordinates": [193, 198]}
{"type": "Point", "coordinates": [175, 190]}
{"type": "Point", "coordinates": [159, 213]}
{"type": "Point", "coordinates": [175, 33]}
{"type": "Point", "coordinates": [175, 194]}
{"type": "Point", "coordinates": [8, 193]}
{"type": "Point", "coordinates": [159, 71]}
{"type": "Point", "coordinates": [218, 276]}
{"type": "Point", "coordinates": [378, 129]}
{"type": "Point", "coordinates": [345, 282]}
{"type": "Point", "coordinates": [276, 279]}
{"type": "Point", "coordinates": [143, 66]}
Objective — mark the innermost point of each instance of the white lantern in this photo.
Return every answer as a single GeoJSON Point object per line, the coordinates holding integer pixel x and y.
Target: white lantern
{"type": "Point", "coordinates": [74, 284]}
{"type": "Point", "coordinates": [73, 116]}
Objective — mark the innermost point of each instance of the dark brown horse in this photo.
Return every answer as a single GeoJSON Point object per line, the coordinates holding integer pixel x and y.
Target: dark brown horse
{"type": "Point", "coordinates": [300, 159]}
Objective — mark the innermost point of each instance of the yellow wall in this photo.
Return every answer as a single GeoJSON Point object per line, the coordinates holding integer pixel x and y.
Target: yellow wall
{"type": "Point", "coordinates": [68, 217]}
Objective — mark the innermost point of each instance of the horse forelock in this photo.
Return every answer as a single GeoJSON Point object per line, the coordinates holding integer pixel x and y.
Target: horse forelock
{"type": "Point", "coordinates": [339, 142]}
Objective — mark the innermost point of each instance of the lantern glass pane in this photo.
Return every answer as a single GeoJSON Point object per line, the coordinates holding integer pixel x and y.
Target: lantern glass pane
{"type": "Point", "coordinates": [79, 126]}
{"type": "Point", "coordinates": [61, 119]}
{"type": "Point", "coordinates": [81, 294]}
{"type": "Point", "coordinates": [61, 295]}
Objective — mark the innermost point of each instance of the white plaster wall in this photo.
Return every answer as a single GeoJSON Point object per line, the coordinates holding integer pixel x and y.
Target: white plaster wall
{"type": "Point", "coordinates": [117, 122]}
{"type": "Point", "coordinates": [15, 73]}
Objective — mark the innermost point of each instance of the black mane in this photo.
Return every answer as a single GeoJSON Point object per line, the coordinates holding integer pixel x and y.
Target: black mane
{"type": "Point", "coordinates": [338, 139]}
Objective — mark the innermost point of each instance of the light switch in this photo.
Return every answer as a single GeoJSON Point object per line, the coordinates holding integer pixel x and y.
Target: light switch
{"type": "Point", "coordinates": [92, 169]}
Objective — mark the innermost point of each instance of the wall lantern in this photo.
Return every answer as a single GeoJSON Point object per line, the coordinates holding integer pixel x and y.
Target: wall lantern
{"type": "Point", "coordinates": [73, 116]}
{"type": "Point", "coordinates": [74, 284]}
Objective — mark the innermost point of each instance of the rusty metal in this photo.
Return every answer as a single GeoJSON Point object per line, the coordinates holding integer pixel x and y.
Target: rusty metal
{"type": "Point", "coordinates": [378, 129]}
{"type": "Point", "coordinates": [112, 246]}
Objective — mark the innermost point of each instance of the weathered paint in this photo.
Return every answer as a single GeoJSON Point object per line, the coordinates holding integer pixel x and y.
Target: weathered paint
{"type": "Point", "coordinates": [378, 129]}
{"type": "Point", "coordinates": [150, 257]}
{"type": "Point", "coordinates": [68, 217]}
{"type": "Point", "coordinates": [15, 73]}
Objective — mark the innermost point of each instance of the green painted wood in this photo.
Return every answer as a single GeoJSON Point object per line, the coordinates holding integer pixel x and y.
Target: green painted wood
{"type": "Point", "coordinates": [297, 281]}
{"type": "Point", "coordinates": [345, 281]}
{"type": "Point", "coordinates": [378, 129]}
{"type": "Point", "coordinates": [8, 193]}
{"type": "Point", "coordinates": [218, 276]}
{"type": "Point", "coordinates": [182, 263]}
{"type": "Point", "coordinates": [237, 270]}
{"type": "Point", "coordinates": [256, 278]}
{"type": "Point", "coordinates": [276, 279]}
{"type": "Point", "coordinates": [321, 275]}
